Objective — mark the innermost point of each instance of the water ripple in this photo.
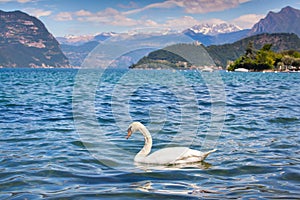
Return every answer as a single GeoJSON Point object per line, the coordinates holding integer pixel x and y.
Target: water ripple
{"type": "Point", "coordinates": [42, 154]}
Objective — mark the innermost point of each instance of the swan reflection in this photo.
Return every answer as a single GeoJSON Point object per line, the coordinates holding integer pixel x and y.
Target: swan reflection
{"type": "Point", "coordinates": [183, 166]}
{"type": "Point", "coordinates": [177, 188]}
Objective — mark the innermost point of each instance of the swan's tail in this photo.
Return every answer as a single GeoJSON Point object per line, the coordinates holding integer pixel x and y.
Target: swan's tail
{"type": "Point", "coordinates": [205, 154]}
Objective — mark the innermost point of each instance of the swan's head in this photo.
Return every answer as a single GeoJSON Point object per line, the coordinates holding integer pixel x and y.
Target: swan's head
{"type": "Point", "coordinates": [133, 127]}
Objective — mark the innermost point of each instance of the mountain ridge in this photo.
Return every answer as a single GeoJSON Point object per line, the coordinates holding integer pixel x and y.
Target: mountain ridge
{"type": "Point", "coordinates": [26, 42]}
{"type": "Point", "coordinates": [214, 29]}
{"type": "Point", "coordinates": [284, 21]}
{"type": "Point", "coordinates": [220, 54]}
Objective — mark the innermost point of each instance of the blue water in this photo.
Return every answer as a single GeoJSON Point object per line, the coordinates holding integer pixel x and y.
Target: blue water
{"type": "Point", "coordinates": [62, 134]}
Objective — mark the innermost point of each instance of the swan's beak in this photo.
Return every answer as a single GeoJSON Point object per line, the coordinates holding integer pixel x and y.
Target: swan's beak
{"type": "Point", "coordinates": [129, 132]}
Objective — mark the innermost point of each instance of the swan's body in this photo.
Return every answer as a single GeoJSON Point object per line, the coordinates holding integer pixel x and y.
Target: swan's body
{"type": "Point", "coordinates": [166, 156]}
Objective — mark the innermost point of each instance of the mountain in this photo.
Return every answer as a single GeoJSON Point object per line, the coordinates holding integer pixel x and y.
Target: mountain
{"type": "Point", "coordinates": [221, 54]}
{"type": "Point", "coordinates": [222, 38]}
{"type": "Point", "coordinates": [25, 42]}
{"type": "Point", "coordinates": [81, 39]}
{"type": "Point", "coordinates": [214, 29]}
{"type": "Point", "coordinates": [140, 44]}
{"type": "Point", "coordinates": [216, 33]}
{"type": "Point", "coordinates": [207, 34]}
{"type": "Point", "coordinates": [104, 36]}
{"type": "Point", "coordinates": [74, 40]}
{"type": "Point", "coordinates": [77, 53]}
{"type": "Point", "coordinates": [177, 56]}
{"type": "Point", "coordinates": [285, 21]}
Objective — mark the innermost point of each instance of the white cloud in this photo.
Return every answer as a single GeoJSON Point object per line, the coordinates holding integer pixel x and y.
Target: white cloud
{"type": "Point", "coordinates": [247, 21]}
{"type": "Point", "coordinates": [150, 23]}
{"type": "Point", "coordinates": [24, 1]}
{"type": "Point", "coordinates": [19, 1]}
{"type": "Point", "coordinates": [193, 6]}
{"type": "Point", "coordinates": [214, 21]}
{"type": "Point", "coordinates": [164, 5]}
{"type": "Point", "coordinates": [130, 5]}
{"type": "Point", "coordinates": [63, 16]}
{"type": "Point", "coordinates": [244, 1]}
{"type": "Point", "coordinates": [113, 17]}
{"type": "Point", "coordinates": [121, 20]}
{"type": "Point", "coordinates": [82, 13]}
{"type": "Point", "coordinates": [206, 6]}
{"type": "Point", "coordinates": [38, 12]}
{"type": "Point", "coordinates": [108, 16]}
{"type": "Point", "coordinates": [185, 22]}
{"type": "Point", "coordinates": [181, 23]}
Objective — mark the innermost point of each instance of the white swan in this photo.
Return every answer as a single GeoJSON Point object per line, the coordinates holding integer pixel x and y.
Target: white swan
{"type": "Point", "coordinates": [166, 156]}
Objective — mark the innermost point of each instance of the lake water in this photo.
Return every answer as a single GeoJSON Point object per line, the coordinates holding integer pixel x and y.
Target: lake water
{"type": "Point", "coordinates": [62, 134]}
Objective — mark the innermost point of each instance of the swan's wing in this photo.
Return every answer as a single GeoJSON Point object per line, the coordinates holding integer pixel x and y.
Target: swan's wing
{"type": "Point", "coordinates": [173, 155]}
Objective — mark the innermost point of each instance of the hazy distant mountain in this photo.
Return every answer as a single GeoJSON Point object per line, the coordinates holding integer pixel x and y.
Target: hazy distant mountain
{"type": "Point", "coordinates": [285, 21]}
{"type": "Point", "coordinates": [81, 39]}
{"type": "Point", "coordinates": [134, 46]}
{"type": "Point", "coordinates": [77, 53]}
{"type": "Point", "coordinates": [25, 42]}
{"type": "Point", "coordinates": [75, 40]}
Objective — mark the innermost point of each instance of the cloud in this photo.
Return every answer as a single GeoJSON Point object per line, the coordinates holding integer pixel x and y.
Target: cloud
{"type": "Point", "coordinates": [63, 16]}
{"type": "Point", "coordinates": [193, 6]}
{"type": "Point", "coordinates": [150, 23]}
{"type": "Point", "coordinates": [247, 21]}
{"type": "Point", "coordinates": [180, 23]}
{"type": "Point", "coordinates": [130, 5]}
{"type": "Point", "coordinates": [108, 16]}
{"type": "Point", "coordinates": [24, 1]}
{"type": "Point", "coordinates": [185, 22]}
{"type": "Point", "coordinates": [38, 12]}
{"type": "Point", "coordinates": [163, 5]}
{"type": "Point", "coordinates": [19, 1]}
{"type": "Point", "coordinates": [206, 6]}
{"type": "Point", "coordinates": [113, 17]}
{"type": "Point", "coordinates": [214, 21]}
{"type": "Point", "coordinates": [83, 13]}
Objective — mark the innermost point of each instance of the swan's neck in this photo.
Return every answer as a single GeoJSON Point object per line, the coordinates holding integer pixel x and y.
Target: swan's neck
{"type": "Point", "coordinates": [148, 142]}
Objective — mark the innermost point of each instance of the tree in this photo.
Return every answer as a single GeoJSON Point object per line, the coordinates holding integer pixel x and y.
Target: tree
{"type": "Point", "coordinates": [266, 47]}
{"type": "Point", "coordinates": [256, 60]}
{"type": "Point", "coordinates": [287, 60]}
{"type": "Point", "coordinates": [250, 50]}
{"type": "Point", "coordinates": [265, 58]}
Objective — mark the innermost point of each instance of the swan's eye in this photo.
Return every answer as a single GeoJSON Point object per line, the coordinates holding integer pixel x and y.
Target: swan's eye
{"type": "Point", "coordinates": [129, 129]}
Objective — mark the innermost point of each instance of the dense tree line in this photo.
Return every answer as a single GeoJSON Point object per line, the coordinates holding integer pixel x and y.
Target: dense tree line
{"type": "Point", "coordinates": [266, 59]}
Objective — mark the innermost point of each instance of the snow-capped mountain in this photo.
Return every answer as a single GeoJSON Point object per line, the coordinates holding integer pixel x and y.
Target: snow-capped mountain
{"type": "Point", "coordinates": [214, 29]}
{"type": "Point", "coordinates": [205, 29]}
{"type": "Point", "coordinates": [81, 39]}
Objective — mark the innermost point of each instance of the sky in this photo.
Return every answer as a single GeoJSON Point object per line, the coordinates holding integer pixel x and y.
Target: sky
{"type": "Point", "coordinates": [91, 17]}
